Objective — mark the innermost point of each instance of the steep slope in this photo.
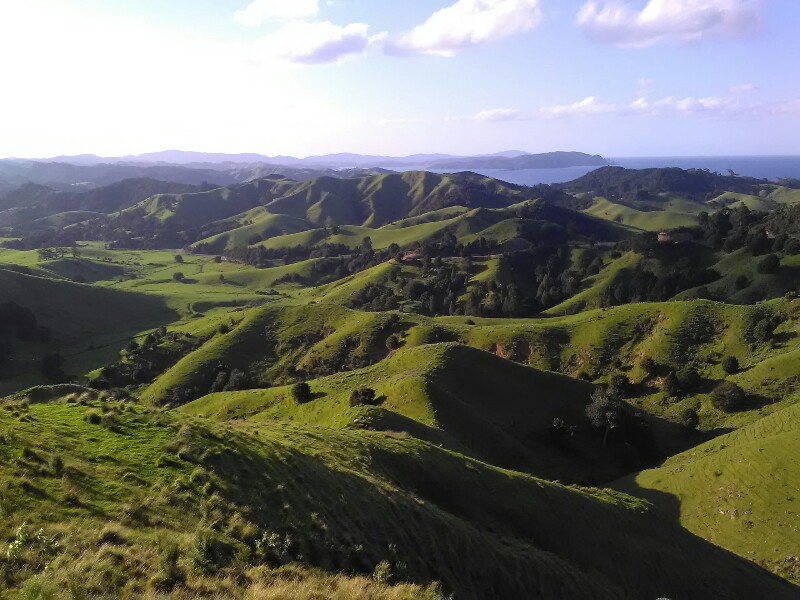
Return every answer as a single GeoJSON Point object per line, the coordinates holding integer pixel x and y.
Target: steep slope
{"type": "Point", "coordinates": [465, 398]}
{"type": "Point", "coordinates": [321, 498]}
{"type": "Point", "coordinates": [89, 324]}
{"type": "Point", "coordinates": [740, 491]}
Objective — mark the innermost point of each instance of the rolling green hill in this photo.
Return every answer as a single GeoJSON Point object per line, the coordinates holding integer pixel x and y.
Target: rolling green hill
{"type": "Point", "coordinates": [739, 491]}
{"type": "Point", "coordinates": [671, 216]}
{"type": "Point", "coordinates": [254, 400]}
{"type": "Point", "coordinates": [89, 324]}
{"type": "Point", "coordinates": [139, 501]}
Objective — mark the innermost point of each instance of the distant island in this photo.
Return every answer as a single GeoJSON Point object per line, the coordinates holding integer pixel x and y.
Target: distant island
{"type": "Point", "coordinates": [511, 160]}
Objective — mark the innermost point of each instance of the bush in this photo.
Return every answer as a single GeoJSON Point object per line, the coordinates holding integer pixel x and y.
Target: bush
{"type": "Point", "coordinates": [302, 392]}
{"type": "Point", "coordinates": [362, 397]}
{"type": "Point", "coordinates": [392, 342]}
{"type": "Point", "coordinates": [209, 552]}
{"type": "Point", "coordinates": [730, 365]}
{"type": "Point", "coordinates": [728, 397]}
{"type": "Point", "coordinates": [178, 276]}
{"type": "Point", "coordinates": [178, 258]}
{"type": "Point", "coordinates": [690, 418]}
{"type": "Point", "coordinates": [682, 382]}
{"type": "Point", "coordinates": [93, 417]}
{"type": "Point", "coordinates": [769, 265]}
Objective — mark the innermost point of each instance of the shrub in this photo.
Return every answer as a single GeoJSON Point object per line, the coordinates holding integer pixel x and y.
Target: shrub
{"type": "Point", "coordinates": [730, 365]}
{"type": "Point", "coordinates": [178, 258]}
{"type": "Point", "coordinates": [362, 397]}
{"type": "Point", "coordinates": [392, 342]}
{"type": "Point", "coordinates": [302, 392]}
{"type": "Point", "coordinates": [728, 397]}
{"type": "Point", "coordinates": [682, 382]}
{"type": "Point", "coordinates": [178, 276]}
{"type": "Point", "coordinates": [209, 552]}
{"type": "Point", "coordinates": [690, 418]}
{"type": "Point", "coordinates": [93, 417]}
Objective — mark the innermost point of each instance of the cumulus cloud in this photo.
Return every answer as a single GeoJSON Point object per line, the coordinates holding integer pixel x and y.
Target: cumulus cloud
{"type": "Point", "coordinates": [467, 23]}
{"type": "Point", "coordinates": [618, 22]}
{"type": "Point", "coordinates": [259, 11]}
{"type": "Point", "coordinates": [644, 106]}
{"type": "Point", "coordinates": [316, 43]}
{"type": "Point", "coordinates": [688, 105]}
{"type": "Point", "coordinates": [498, 114]}
{"type": "Point", "coordinates": [587, 106]}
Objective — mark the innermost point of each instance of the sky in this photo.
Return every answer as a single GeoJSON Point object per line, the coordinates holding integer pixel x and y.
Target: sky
{"type": "Point", "coordinates": [306, 77]}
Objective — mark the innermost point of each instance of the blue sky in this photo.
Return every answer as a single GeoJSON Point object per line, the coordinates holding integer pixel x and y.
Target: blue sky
{"type": "Point", "coordinates": [301, 77]}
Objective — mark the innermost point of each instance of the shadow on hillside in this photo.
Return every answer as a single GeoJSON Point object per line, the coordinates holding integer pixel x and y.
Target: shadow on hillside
{"type": "Point", "coordinates": [781, 339]}
{"type": "Point", "coordinates": [754, 402]}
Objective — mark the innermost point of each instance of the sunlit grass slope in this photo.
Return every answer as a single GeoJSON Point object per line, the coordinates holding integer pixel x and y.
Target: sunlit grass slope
{"type": "Point", "coordinates": [740, 491]}
{"type": "Point", "coordinates": [147, 501]}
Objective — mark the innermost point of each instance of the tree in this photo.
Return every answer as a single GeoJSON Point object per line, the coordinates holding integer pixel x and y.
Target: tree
{"type": "Point", "coordinates": [177, 276]}
{"type": "Point", "coordinates": [238, 381]}
{"type": "Point", "coordinates": [690, 418]}
{"type": "Point", "coordinates": [301, 392]}
{"type": "Point", "coordinates": [362, 397]}
{"type": "Point", "coordinates": [730, 365]}
{"type": "Point", "coordinates": [179, 259]}
{"type": "Point", "coordinates": [619, 386]}
{"type": "Point", "coordinates": [728, 397]}
{"type": "Point", "coordinates": [769, 265]}
{"type": "Point", "coordinates": [392, 343]}
{"type": "Point", "coordinates": [605, 411]}
{"type": "Point", "coordinates": [672, 386]}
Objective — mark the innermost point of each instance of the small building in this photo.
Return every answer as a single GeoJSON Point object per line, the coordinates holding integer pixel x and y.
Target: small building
{"type": "Point", "coordinates": [412, 256]}
{"type": "Point", "coordinates": [664, 237]}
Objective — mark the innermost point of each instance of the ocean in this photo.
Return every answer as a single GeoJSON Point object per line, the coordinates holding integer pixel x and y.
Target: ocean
{"type": "Point", "coordinates": [761, 167]}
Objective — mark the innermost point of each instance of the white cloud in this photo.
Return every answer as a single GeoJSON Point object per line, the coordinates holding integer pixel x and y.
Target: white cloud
{"type": "Point", "coordinates": [498, 114]}
{"type": "Point", "coordinates": [467, 23]}
{"type": "Point", "coordinates": [259, 11]}
{"type": "Point", "coordinates": [689, 105]}
{"type": "Point", "coordinates": [742, 89]}
{"type": "Point", "coordinates": [315, 43]}
{"type": "Point", "coordinates": [617, 22]}
{"type": "Point", "coordinates": [644, 106]}
{"type": "Point", "coordinates": [586, 107]}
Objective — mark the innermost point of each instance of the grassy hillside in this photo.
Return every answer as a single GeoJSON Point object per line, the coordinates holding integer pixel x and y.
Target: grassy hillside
{"type": "Point", "coordinates": [739, 491]}
{"type": "Point", "coordinates": [478, 403]}
{"type": "Point", "coordinates": [670, 215]}
{"type": "Point", "coordinates": [89, 325]}
{"type": "Point", "coordinates": [138, 501]}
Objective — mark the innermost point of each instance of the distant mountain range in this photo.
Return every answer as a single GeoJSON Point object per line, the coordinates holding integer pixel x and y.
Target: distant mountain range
{"type": "Point", "coordinates": [508, 160]}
